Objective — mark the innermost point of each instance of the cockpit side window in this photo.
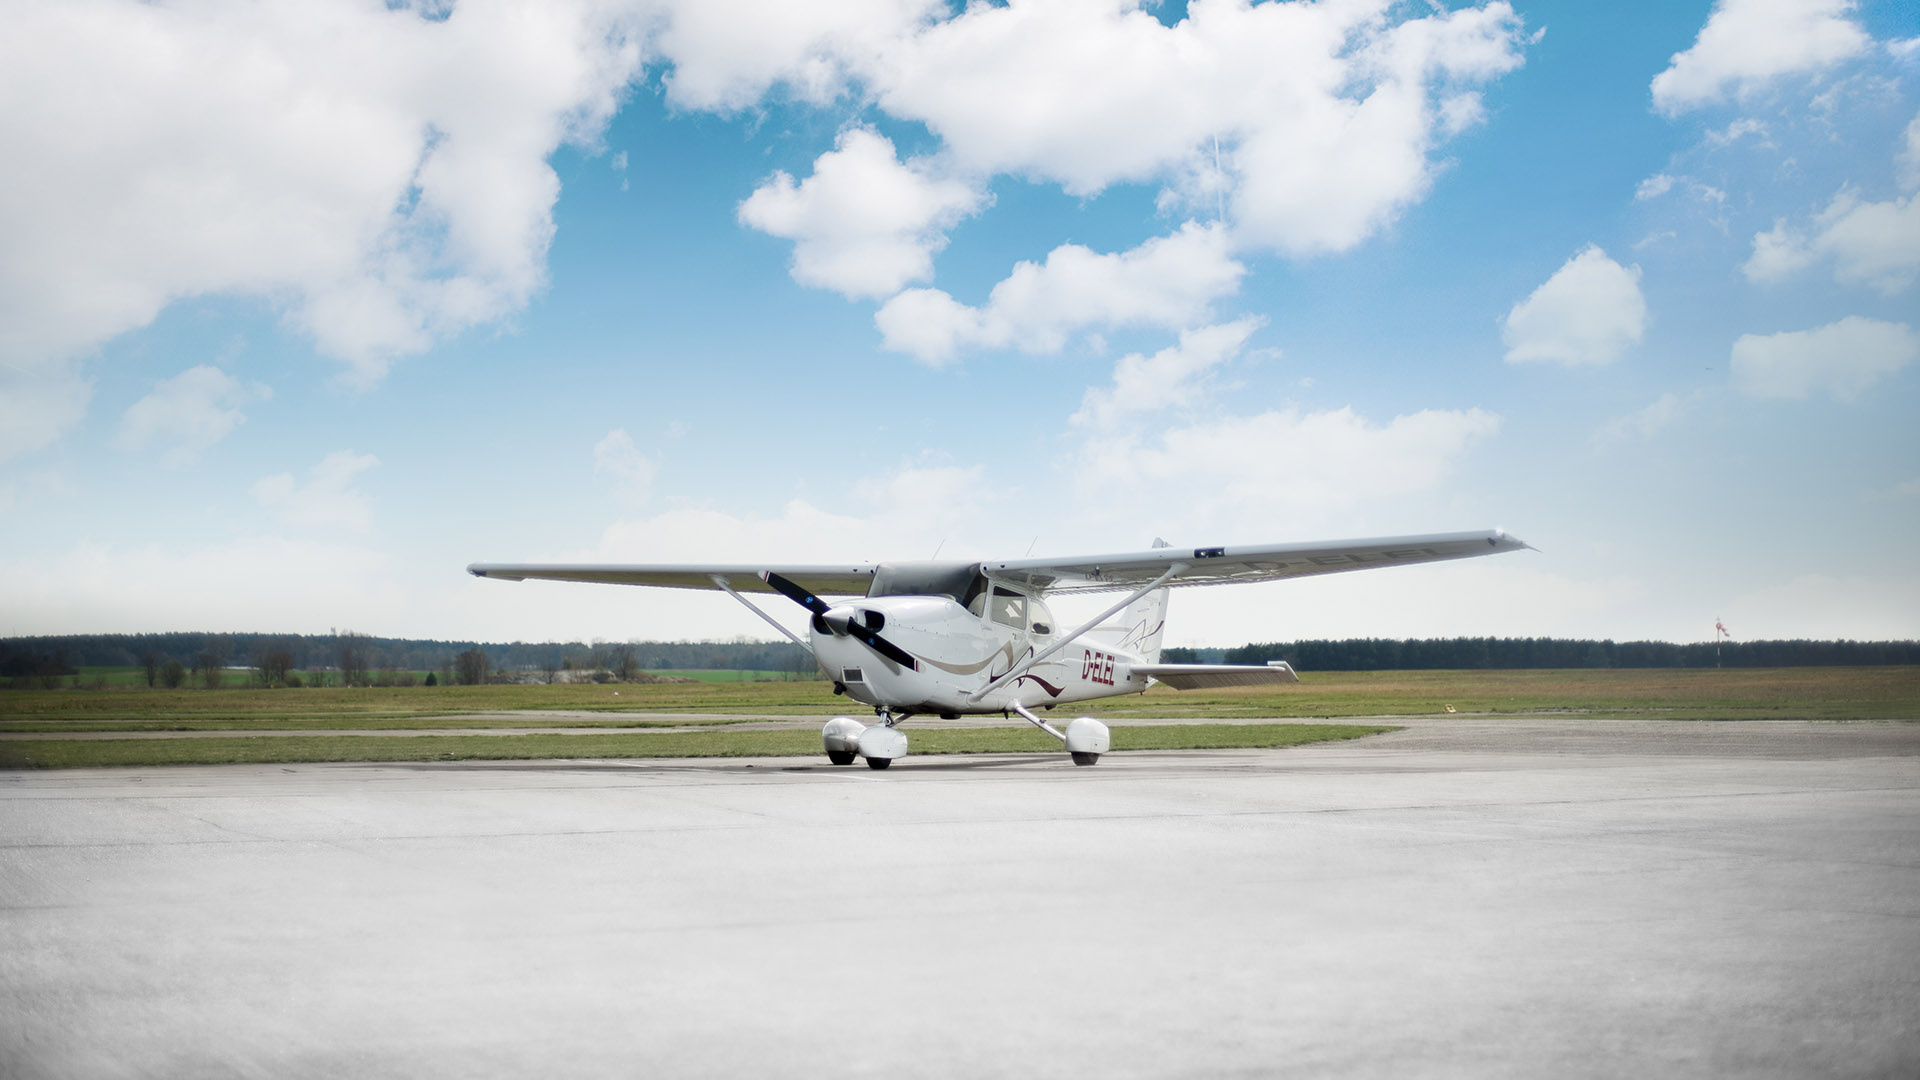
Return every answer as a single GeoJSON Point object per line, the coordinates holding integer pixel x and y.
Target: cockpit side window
{"type": "Point", "coordinates": [1008, 608]}
{"type": "Point", "coordinates": [1042, 618]}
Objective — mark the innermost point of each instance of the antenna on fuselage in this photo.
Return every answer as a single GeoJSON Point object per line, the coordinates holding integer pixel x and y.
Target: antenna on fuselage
{"type": "Point", "coordinates": [1036, 539]}
{"type": "Point", "coordinates": [936, 550]}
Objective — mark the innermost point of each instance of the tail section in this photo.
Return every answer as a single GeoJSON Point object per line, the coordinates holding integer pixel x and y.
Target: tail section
{"type": "Point", "coordinates": [1136, 629]}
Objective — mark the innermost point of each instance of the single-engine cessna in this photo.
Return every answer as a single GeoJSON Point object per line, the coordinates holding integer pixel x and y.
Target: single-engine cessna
{"type": "Point", "coordinates": [949, 638]}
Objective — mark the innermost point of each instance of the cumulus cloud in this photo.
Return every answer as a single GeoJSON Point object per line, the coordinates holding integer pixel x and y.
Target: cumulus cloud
{"type": "Point", "coordinates": [1748, 42]}
{"type": "Point", "coordinates": [1842, 359]}
{"type": "Point", "coordinates": [1778, 253]}
{"type": "Point", "coordinates": [1326, 114]}
{"type": "Point", "coordinates": [327, 500]}
{"type": "Point", "coordinates": [726, 56]}
{"type": "Point", "coordinates": [38, 401]}
{"type": "Point", "coordinates": [1169, 282]}
{"type": "Point", "coordinates": [864, 224]}
{"type": "Point", "coordinates": [1876, 244]}
{"type": "Point", "coordinates": [148, 587]}
{"type": "Point", "coordinates": [1313, 462]}
{"type": "Point", "coordinates": [1171, 378]}
{"type": "Point", "coordinates": [630, 472]}
{"type": "Point", "coordinates": [905, 513]}
{"type": "Point", "coordinates": [188, 413]}
{"type": "Point", "coordinates": [1666, 410]}
{"type": "Point", "coordinates": [1653, 187]}
{"type": "Point", "coordinates": [1588, 312]}
{"type": "Point", "coordinates": [1908, 160]}
{"type": "Point", "coordinates": [378, 172]}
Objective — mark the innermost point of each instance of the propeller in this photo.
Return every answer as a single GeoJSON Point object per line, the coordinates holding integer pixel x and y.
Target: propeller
{"type": "Point", "coordinates": [864, 630]}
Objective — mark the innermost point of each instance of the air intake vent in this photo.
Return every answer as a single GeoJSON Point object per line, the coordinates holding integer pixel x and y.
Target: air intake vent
{"type": "Point", "coordinates": [852, 674]}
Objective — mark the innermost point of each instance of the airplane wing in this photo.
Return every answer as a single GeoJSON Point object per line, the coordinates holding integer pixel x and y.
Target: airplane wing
{"type": "Point", "coordinates": [1091, 573]}
{"type": "Point", "coordinates": [841, 580]}
{"type": "Point", "coordinates": [1257, 562]}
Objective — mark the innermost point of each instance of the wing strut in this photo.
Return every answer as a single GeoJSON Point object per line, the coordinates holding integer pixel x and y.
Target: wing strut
{"type": "Point", "coordinates": [721, 581]}
{"type": "Point", "coordinates": [1018, 669]}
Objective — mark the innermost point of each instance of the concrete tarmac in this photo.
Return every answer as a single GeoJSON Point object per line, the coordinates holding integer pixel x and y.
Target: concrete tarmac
{"type": "Point", "coordinates": [1482, 897]}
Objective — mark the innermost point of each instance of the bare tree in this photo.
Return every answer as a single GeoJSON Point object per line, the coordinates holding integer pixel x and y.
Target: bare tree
{"type": "Point", "coordinates": [354, 659]}
{"type": "Point", "coordinates": [621, 662]}
{"type": "Point", "coordinates": [172, 674]}
{"type": "Point", "coordinates": [550, 667]}
{"type": "Point", "coordinates": [207, 666]}
{"type": "Point", "coordinates": [150, 663]}
{"type": "Point", "coordinates": [273, 666]}
{"type": "Point", "coordinates": [470, 667]}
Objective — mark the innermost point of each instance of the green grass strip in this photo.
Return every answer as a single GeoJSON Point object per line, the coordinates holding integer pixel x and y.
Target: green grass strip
{"type": "Point", "coordinates": [85, 753]}
{"type": "Point", "coordinates": [364, 723]}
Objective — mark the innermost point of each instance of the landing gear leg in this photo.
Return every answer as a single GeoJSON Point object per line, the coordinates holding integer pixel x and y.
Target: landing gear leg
{"type": "Point", "coordinates": [1086, 738]}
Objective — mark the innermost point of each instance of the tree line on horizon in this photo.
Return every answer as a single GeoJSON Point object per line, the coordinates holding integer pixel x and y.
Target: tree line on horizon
{"type": "Point", "coordinates": [354, 659]}
{"type": "Point", "coordinates": [1485, 653]}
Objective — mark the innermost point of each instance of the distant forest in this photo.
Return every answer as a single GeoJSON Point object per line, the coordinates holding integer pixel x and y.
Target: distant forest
{"type": "Point", "coordinates": [1382, 654]}
{"type": "Point", "coordinates": [20, 656]}
{"type": "Point", "coordinates": [318, 652]}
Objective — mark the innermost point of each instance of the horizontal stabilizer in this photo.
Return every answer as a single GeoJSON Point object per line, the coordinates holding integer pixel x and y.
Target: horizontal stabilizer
{"type": "Point", "coordinates": [1213, 676]}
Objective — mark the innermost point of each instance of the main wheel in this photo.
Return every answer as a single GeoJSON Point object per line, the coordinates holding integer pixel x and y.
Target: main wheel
{"type": "Point", "coordinates": [841, 757]}
{"type": "Point", "coordinates": [879, 762]}
{"type": "Point", "coordinates": [1085, 759]}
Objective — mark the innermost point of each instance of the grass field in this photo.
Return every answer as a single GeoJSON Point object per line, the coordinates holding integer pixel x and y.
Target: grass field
{"type": "Point", "coordinates": [1700, 694]}
{"type": "Point", "coordinates": [331, 715]}
{"type": "Point", "coordinates": [69, 753]}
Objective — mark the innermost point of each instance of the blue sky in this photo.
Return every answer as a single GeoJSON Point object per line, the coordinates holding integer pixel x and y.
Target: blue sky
{"type": "Point", "coordinates": [302, 310]}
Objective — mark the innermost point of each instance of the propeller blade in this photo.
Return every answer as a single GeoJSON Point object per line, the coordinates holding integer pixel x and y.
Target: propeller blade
{"type": "Point", "coordinates": [857, 630]}
{"type": "Point", "coordinates": [792, 591]}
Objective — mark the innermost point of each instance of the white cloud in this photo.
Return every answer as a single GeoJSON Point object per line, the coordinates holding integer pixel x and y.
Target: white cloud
{"type": "Point", "coordinates": [379, 173]}
{"type": "Point", "coordinates": [631, 472]}
{"type": "Point", "coordinates": [1303, 465]}
{"type": "Point", "coordinates": [1168, 281]}
{"type": "Point", "coordinates": [1588, 312]}
{"type": "Point", "coordinates": [1872, 243]}
{"type": "Point", "coordinates": [1653, 187]}
{"type": "Point", "coordinates": [1842, 358]}
{"type": "Point", "coordinates": [1876, 244]}
{"type": "Point", "coordinates": [1171, 378]}
{"type": "Point", "coordinates": [1666, 410]}
{"type": "Point", "coordinates": [726, 56]}
{"type": "Point", "coordinates": [863, 224]}
{"type": "Point", "coordinates": [38, 401]}
{"type": "Point", "coordinates": [933, 498]}
{"type": "Point", "coordinates": [1908, 160]}
{"type": "Point", "coordinates": [292, 585]}
{"type": "Point", "coordinates": [1778, 253]}
{"type": "Point", "coordinates": [1748, 42]}
{"type": "Point", "coordinates": [1735, 131]}
{"type": "Point", "coordinates": [1326, 114]}
{"type": "Point", "coordinates": [326, 500]}
{"type": "Point", "coordinates": [191, 411]}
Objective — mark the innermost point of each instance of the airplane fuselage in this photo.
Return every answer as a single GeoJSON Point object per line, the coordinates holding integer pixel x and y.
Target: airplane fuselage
{"type": "Point", "coordinates": [957, 652]}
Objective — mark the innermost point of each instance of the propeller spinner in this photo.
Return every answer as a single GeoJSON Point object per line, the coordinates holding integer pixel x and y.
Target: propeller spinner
{"type": "Point", "coordinates": [864, 629]}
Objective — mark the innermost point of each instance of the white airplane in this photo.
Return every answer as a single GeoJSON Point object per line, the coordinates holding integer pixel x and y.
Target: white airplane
{"type": "Point", "coordinates": [977, 637]}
